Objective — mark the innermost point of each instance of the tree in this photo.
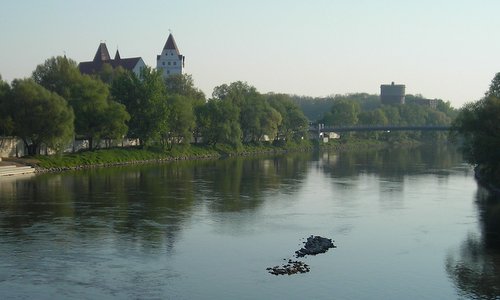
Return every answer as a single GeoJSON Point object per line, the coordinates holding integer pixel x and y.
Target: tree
{"type": "Point", "coordinates": [57, 74]}
{"type": "Point", "coordinates": [342, 113]}
{"type": "Point", "coordinates": [479, 125]}
{"type": "Point", "coordinates": [144, 97]}
{"type": "Point", "coordinates": [494, 89]}
{"type": "Point", "coordinates": [96, 115]}
{"type": "Point", "coordinates": [183, 84]}
{"type": "Point", "coordinates": [294, 123]}
{"type": "Point", "coordinates": [219, 123]}
{"type": "Point", "coordinates": [39, 116]}
{"type": "Point", "coordinates": [5, 119]}
{"type": "Point", "coordinates": [181, 120]}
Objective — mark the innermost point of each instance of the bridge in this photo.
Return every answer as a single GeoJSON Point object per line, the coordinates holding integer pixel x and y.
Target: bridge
{"type": "Point", "coordinates": [338, 129]}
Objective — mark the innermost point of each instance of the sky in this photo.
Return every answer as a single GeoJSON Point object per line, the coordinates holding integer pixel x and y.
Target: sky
{"type": "Point", "coordinates": [445, 49]}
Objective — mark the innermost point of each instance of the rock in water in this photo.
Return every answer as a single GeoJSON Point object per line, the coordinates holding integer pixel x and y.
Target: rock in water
{"type": "Point", "coordinates": [315, 245]}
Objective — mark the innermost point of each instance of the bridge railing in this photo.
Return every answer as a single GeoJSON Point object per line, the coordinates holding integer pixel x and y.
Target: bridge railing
{"type": "Point", "coordinates": [380, 128]}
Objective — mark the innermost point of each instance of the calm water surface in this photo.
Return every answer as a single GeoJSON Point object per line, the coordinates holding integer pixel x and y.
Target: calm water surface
{"type": "Point", "coordinates": [409, 224]}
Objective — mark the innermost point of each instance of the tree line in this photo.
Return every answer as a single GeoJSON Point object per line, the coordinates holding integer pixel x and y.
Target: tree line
{"type": "Point", "coordinates": [478, 124]}
{"type": "Point", "coordinates": [315, 108]}
{"type": "Point", "coordinates": [58, 104]}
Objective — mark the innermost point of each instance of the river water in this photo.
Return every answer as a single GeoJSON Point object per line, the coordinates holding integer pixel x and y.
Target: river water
{"type": "Point", "coordinates": [408, 224]}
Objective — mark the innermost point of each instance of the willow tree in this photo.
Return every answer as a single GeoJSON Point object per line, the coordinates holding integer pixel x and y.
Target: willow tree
{"type": "Point", "coordinates": [39, 117]}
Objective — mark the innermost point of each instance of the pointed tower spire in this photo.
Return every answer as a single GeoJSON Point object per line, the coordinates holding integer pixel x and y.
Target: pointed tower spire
{"type": "Point", "coordinates": [171, 45]}
{"type": "Point", "coordinates": [102, 53]}
{"type": "Point", "coordinates": [117, 55]}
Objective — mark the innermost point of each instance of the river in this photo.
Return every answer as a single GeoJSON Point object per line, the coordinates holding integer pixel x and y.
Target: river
{"type": "Point", "coordinates": [408, 224]}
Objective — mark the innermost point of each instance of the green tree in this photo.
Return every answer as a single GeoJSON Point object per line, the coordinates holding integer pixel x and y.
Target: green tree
{"type": "Point", "coordinates": [294, 124]}
{"type": "Point", "coordinates": [145, 98]}
{"type": "Point", "coordinates": [57, 74]}
{"type": "Point", "coordinates": [5, 119]}
{"type": "Point", "coordinates": [342, 113]}
{"type": "Point", "coordinates": [181, 120]}
{"type": "Point", "coordinates": [183, 84]}
{"type": "Point", "coordinates": [95, 115]}
{"type": "Point", "coordinates": [479, 125]}
{"type": "Point", "coordinates": [39, 116]}
{"type": "Point", "coordinates": [219, 123]}
{"type": "Point", "coordinates": [494, 89]}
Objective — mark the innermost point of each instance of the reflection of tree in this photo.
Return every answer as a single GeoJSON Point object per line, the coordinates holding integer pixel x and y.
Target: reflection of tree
{"type": "Point", "coordinates": [475, 270]}
{"type": "Point", "coordinates": [390, 163]}
{"type": "Point", "coordinates": [240, 183]}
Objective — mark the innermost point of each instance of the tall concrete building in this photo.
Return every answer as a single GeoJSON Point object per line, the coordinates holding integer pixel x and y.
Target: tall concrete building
{"type": "Point", "coordinates": [170, 61]}
{"type": "Point", "coordinates": [392, 93]}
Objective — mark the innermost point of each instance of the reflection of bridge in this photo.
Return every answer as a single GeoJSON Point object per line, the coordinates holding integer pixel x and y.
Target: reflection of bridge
{"type": "Point", "coordinates": [338, 129]}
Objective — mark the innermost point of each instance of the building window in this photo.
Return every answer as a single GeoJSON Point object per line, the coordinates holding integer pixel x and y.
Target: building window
{"type": "Point", "coordinates": [175, 63]}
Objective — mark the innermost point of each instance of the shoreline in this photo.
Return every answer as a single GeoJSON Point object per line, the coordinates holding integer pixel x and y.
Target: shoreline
{"type": "Point", "coordinates": [189, 154]}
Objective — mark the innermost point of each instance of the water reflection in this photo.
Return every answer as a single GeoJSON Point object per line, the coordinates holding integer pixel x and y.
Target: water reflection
{"type": "Point", "coordinates": [149, 204]}
{"type": "Point", "coordinates": [391, 164]}
{"type": "Point", "coordinates": [475, 267]}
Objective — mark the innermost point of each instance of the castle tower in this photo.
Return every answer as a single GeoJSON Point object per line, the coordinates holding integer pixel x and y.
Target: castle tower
{"type": "Point", "coordinates": [170, 61]}
{"type": "Point", "coordinates": [392, 94]}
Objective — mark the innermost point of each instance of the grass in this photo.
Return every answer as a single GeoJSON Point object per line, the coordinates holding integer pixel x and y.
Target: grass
{"type": "Point", "coordinates": [133, 155]}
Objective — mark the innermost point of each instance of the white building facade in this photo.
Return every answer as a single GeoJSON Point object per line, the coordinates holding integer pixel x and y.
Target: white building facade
{"type": "Point", "coordinates": [170, 61]}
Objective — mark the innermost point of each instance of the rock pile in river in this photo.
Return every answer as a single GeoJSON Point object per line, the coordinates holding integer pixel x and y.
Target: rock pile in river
{"type": "Point", "coordinates": [314, 245]}
{"type": "Point", "coordinates": [293, 267]}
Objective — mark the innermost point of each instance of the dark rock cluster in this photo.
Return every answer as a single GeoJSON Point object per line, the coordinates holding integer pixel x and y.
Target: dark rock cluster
{"type": "Point", "coordinates": [315, 245]}
{"type": "Point", "coordinates": [293, 267]}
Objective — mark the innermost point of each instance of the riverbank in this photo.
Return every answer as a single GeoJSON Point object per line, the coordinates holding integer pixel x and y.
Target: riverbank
{"type": "Point", "coordinates": [134, 155]}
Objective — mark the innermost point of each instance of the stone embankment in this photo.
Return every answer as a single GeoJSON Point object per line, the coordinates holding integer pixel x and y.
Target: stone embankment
{"type": "Point", "coordinates": [10, 170]}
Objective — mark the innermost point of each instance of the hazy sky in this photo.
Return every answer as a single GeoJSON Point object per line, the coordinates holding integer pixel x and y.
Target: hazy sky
{"type": "Point", "coordinates": [448, 49]}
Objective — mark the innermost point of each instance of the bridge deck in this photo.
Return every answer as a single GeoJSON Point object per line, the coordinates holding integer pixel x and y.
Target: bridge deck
{"type": "Point", "coordinates": [383, 128]}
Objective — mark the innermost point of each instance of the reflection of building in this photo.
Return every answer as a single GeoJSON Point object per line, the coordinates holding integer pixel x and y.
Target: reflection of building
{"type": "Point", "coordinates": [392, 94]}
{"type": "Point", "coordinates": [170, 61]}
{"type": "Point", "coordinates": [102, 57]}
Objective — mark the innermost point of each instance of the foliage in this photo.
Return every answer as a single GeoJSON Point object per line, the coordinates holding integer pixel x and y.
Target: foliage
{"type": "Point", "coordinates": [57, 74]}
{"type": "Point", "coordinates": [494, 90]}
{"type": "Point", "coordinates": [479, 125]}
{"type": "Point", "coordinates": [6, 125]}
{"type": "Point", "coordinates": [39, 116]}
{"type": "Point", "coordinates": [96, 115]}
{"type": "Point", "coordinates": [144, 97]}
{"type": "Point", "coordinates": [181, 120]}
{"type": "Point", "coordinates": [342, 113]}
{"type": "Point", "coordinates": [294, 124]}
{"type": "Point", "coordinates": [183, 84]}
{"type": "Point", "coordinates": [219, 123]}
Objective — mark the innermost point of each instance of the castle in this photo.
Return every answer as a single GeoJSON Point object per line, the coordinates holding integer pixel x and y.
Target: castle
{"type": "Point", "coordinates": [169, 62]}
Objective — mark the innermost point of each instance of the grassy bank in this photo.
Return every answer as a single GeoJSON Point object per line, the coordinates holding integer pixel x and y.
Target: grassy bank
{"type": "Point", "coordinates": [120, 156]}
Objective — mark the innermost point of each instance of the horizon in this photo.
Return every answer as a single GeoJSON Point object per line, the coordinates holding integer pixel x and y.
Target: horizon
{"type": "Point", "coordinates": [442, 49]}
